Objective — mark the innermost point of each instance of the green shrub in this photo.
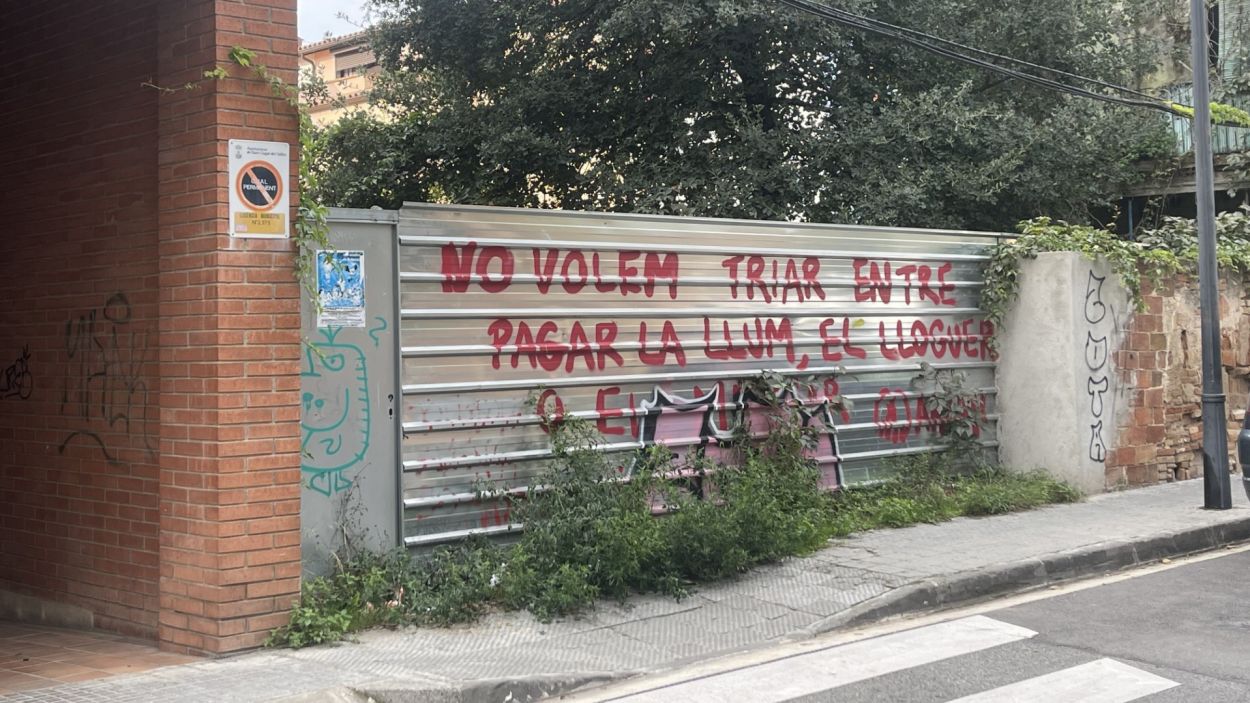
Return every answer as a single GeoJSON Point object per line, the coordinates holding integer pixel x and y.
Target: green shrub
{"type": "Point", "coordinates": [892, 511]}
{"type": "Point", "coordinates": [564, 590]}
{"type": "Point", "coordinates": [702, 544]}
{"type": "Point", "coordinates": [774, 502]}
{"type": "Point", "coordinates": [584, 518]}
{"type": "Point", "coordinates": [314, 620]}
{"type": "Point", "coordinates": [933, 487]}
{"type": "Point", "coordinates": [590, 533]}
{"type": "Point", "coordinates": [996, 491]}
{"type": "Point", "coordinates": [454, 584]}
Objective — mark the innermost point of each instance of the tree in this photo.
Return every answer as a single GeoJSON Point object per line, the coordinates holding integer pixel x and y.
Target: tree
{"type": "Point", "coordinates": [742, 108]}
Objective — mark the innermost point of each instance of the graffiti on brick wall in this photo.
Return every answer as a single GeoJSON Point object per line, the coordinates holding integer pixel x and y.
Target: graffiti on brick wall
{"type": "Point", "coordinates": [1097, 357]}
{"type": "Point", "coordinates": [335, 421]}
{"type": "Point", "coordinates": [106, 395]}
{"type": "Point", "coordinates": [17, 381]}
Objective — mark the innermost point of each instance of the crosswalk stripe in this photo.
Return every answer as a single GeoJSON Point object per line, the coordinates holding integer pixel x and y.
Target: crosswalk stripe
{"type": "Point", "coordinates": [1101, 681]}
{"type": "Point", "coordinates": [822, 670]}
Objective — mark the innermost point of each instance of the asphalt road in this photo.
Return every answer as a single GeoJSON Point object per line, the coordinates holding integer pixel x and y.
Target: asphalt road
{"type": "Point", "coordinates": [1160, 636]}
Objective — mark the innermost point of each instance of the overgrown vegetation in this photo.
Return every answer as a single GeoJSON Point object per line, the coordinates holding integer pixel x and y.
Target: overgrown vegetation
{"type": "Point", "coordinates": [934, 487]}
{"type": "Point", "coordinates": [1179, 236]}
{"type": "Point", "coordinates": [592, 531]}
{"type": "Point", "coordinates": [1171, 248]}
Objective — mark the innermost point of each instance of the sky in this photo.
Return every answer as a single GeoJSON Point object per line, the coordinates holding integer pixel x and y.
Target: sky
{"type": "Point", "coordinates": [317, 17]}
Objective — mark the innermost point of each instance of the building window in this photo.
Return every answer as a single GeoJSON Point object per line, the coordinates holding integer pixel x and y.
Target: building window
{"type": "Point", "coordinates": [354, 62]}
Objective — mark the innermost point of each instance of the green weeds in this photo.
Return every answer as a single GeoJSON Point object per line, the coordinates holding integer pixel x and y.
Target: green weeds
{"type": "Point", "coordinates": [590, 534]}
{"type": "Point", "coordinates": [933, 488]}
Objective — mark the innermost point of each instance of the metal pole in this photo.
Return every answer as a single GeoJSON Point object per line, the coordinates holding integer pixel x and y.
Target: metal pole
{"type": "Point", "coordinates": [1218, 494]}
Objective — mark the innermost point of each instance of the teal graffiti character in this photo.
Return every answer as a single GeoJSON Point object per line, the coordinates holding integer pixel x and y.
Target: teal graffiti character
{"type": "Point", "coordinates": [335, 419]}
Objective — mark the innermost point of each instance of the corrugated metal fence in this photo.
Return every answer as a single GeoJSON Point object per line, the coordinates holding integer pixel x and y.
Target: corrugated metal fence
{"type": "Point", "coordinates": [648, 326]}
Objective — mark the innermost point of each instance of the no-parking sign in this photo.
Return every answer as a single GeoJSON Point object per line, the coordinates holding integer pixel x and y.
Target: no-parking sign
{"type": "Point", "coordinates": [260, 205]}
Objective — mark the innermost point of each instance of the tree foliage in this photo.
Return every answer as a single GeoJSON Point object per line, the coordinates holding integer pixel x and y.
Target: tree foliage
{"type": "Point", "coordinates": [741, 108]}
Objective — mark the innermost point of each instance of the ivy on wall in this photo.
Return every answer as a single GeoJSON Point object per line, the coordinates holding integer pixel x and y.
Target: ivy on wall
{"type": "Point", "coordinates": [312, 231]}
{"type": "Point", "coordinates": [1169, 249]}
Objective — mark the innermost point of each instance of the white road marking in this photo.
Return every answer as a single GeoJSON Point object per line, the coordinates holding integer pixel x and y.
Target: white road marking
{"type": "Point", "coordinates": [830, 668]}
{"type": "Point", "coordinates": [712, 667]}
{"type": "Point", "coordinates": [1101, 681]}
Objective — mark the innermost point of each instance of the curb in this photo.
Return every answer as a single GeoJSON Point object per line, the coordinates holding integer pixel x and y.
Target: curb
{"type": "Point", "coordinates": [965, 588]}
{"type": "Point", "coordinates": [512, 690]}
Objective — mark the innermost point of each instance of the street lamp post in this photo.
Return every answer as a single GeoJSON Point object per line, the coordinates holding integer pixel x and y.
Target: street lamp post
{"type": "Point", "coordinates": [1217, 492]}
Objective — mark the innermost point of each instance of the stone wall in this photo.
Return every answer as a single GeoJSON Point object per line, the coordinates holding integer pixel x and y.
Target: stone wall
{"type": "Point", "coordinates": [1106, 395]}
{"type": "Point", "coordinates": [1160, 438]}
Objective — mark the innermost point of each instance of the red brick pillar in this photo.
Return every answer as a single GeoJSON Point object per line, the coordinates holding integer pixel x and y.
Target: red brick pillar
{"type": "Point", "coordinates": [229, 339]}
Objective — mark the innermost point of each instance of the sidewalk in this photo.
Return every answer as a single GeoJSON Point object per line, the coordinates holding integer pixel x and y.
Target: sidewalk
{"type": "Point", "coordinates": [855, 580]}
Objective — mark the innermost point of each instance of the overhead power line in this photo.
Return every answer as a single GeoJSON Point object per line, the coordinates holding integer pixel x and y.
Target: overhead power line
{"type": "Point", "coordinates": [990, 61]}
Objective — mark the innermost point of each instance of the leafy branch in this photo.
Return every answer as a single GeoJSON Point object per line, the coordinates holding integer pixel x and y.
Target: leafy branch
{"type": "Point", "coordinates": [958, 408]}
{"type": "Point", "coordinates": [312, 231]}
{"type": "Point", "coordinates": [1169, 249]}
{"type": "Point", "coordinates": [1041, 235]}
{"type": "Point", "coordinates": [1221, 114]}
{"type": "Point", "coordinates": [216, 73]}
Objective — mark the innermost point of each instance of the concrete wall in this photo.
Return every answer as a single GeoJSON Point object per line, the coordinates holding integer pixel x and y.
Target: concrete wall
{"type": "Point", "coordinates": [1052, 370]}
{"type": "Point", "coordinates": [1061, 400]}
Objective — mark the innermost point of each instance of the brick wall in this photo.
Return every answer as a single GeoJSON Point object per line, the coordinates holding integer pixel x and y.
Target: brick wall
{"type": "Point", "coordinates": [1160, 437]}
{"type": "Point", "coordinates": [79, 434]}
{"type": "Point", "coordinates": [149, 451]}
{"type": "Point", "coordinates": [229, 309]}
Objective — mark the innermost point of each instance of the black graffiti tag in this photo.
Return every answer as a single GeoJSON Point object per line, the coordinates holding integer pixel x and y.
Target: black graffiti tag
{"type": "Point", "coordinates": [17, 381]}
{"type": "Point", "coordinates": [1097, 351]}
{"type": "Point", "coordinates": [1095, 309]}
{"type": "Point", "coordinates": [662, 421]}
{"type": "Point", "coordinates": [105, 390]}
